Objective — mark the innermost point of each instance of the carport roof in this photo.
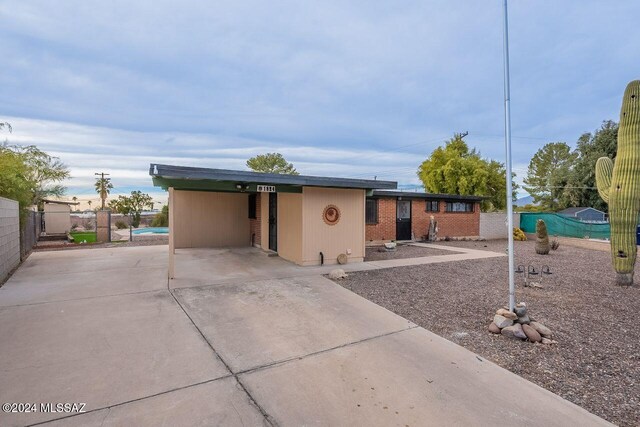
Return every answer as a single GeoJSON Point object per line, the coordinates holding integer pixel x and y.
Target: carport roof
{"type": "Point", "coordinates": [191, 178]}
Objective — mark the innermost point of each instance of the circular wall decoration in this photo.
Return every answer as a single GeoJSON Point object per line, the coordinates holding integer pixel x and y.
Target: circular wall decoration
{"type": "Point", "coordinates": [331, 215]}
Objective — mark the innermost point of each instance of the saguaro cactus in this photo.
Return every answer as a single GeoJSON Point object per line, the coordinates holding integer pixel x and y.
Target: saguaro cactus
{"type": "Point", "coordinates": [542, 238]}
{"type": "Point", "coordinates": [619, 186]}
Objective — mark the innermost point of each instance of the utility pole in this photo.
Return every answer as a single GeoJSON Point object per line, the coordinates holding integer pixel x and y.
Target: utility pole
{"type": "Point", "coordinates": [103, 186]}
{"type": "Point", "coordinates": [507, 144]}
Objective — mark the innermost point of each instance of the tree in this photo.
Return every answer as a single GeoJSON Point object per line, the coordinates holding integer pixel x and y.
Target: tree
{"type": "Point", "coordinates": [454, 169]}
{"type": "Point", "coordinates": [43, 171]}
{"type": "Point", "coordinates": [161, 219]}
{"type": "Point", "coordinates": [271, 163]}
{"type": "Point", "coordinates": [548, 175]}
{"type": "Point", "coordinates": [103, 187]}
{"type": "Point", "coordinates": [591, 146]}
{"type": "Point", "coordinates": [13, 180]}
{"type": "Point", "coordinates": [89, 203]}
{"type": "Point", "coordinates": [132, 205]}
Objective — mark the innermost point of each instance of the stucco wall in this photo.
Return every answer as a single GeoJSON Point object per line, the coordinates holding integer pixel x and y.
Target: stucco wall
{"type": "Point", "coordinates": [332, 240]}
{"type": "Point", "coordinates": [290, 227]}
{"type": "Point", "coordinates": [208, 220]}
{"type": "Point", "coordinates": [57, 218]}
{"type": "Point", "coordinates": [493, 225]}
{"type": "Point", "coordinates": [264, 220]}
{"type": "Point", "coordinates": [255, 225]}
{"type": "Point", "coordinates": [9, 236]}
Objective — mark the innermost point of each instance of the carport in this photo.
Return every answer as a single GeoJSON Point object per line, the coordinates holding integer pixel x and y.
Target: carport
{"type": "Point", "coordinates": [307, 220]}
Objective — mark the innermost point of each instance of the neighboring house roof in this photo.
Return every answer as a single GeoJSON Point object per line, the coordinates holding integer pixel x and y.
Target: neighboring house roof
{"type": "Point", "coordinates": [190, 178]}
{"type": "Point", "coordinates": [574, 211]}
{"type": "Point", "coordinates": [60, 202]}
{"type": "Point", "coordinates": [426, 196]}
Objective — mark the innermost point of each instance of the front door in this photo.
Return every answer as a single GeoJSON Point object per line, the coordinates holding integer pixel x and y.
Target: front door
{"type": "Point", "coordinates": [273, 222]}
{"type": "Point", "coordinates": [403, 220]}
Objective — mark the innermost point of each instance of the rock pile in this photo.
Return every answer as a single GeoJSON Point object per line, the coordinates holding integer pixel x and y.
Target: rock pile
{"type": "Point", "coordinates": [518, 324]}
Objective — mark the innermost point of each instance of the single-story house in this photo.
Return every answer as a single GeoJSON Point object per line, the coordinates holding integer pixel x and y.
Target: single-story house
{"type": "Point", "coordinates": [399, 215]}
{"type": "Point", "coordinates": [57, 216]}
{"type": "Point", "coordinates": [585, 214]}
{"type": "Point", "coordinates": [307, 220]}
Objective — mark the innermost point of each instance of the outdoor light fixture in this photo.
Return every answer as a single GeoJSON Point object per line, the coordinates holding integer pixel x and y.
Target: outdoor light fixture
{"type": "Point", "coordinates": [242, 187]}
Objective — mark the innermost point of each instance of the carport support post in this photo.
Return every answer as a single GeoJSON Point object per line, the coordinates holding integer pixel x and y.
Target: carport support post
{"type": "Point", "coordinates": [172, 247]}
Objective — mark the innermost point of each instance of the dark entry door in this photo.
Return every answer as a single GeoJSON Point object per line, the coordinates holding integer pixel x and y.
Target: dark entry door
{"type": "Point", "coordinates": [403, 220]}
{"type": "Point", "coordinates": [273, 222]}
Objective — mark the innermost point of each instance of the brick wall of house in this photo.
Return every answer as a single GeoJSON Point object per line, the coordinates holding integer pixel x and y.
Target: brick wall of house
{"type": "Point", "coordinates": [385, 229]}
{"type": "Point", "coordinates": [451, 224]}
{"type": "Point", "coordinates": [254, 224]}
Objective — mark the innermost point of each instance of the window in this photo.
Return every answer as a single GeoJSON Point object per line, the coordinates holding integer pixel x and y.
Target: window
{"type": "Point", "coordinates": [253, 200]}
{"type": "Point", "coordinates": [433, 206]}
{"type": "Point", "coordinates": [459, 207]}
{"type": "Point", "coordinates": [371, 214]}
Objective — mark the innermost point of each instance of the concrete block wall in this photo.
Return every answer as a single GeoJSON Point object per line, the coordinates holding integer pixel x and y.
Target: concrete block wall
{"type": "Point", "coordinates": [9, 236]}
{"type": "Point", "coordinates": [103, 226]}
{"type": "Point", "coordinates": [493, 225]}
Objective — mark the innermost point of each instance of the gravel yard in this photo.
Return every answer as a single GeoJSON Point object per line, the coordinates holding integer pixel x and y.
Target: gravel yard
{"type": "Point", "coordinates": [377, 253]}
{"type": "Point", "coordinates": [596, 363]}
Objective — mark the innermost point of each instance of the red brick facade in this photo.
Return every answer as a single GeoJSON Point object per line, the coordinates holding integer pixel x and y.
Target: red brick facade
{"type": "Point", "coordinates": [254, 224]}
{"type": "Point", "coordinates": [450, 224]}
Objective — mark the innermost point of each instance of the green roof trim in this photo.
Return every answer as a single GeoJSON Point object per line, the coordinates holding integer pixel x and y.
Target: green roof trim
{"type": "Point", "coordinates": [204, 179]}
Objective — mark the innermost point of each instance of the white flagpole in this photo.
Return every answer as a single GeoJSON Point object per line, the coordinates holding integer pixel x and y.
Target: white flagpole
{"type": "Point", "coordinates": [507, 143]}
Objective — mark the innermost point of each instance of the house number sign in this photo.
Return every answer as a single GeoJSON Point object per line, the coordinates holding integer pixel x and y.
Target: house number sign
{"type": "Point", "coordinates": [266, 188]}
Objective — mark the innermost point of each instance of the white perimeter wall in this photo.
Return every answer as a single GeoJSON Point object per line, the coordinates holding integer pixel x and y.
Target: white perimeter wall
{"type": "Point", "coordinates": [9, 236]}
{"type": "Point", "coordinates": [493, 225]}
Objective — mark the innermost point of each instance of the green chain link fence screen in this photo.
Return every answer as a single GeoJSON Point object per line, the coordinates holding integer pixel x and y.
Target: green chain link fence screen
{"type": "Point", "coordinates": [564, 226]}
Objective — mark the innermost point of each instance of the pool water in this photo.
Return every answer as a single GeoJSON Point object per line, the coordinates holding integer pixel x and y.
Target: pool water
{"type": "Point", "coordinates": [152, 230]}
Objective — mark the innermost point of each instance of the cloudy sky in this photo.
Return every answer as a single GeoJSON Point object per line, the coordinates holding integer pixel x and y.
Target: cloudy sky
{"type": "Point", "coordinates": [358, 89]}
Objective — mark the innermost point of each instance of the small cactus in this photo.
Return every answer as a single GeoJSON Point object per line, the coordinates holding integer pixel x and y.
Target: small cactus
{"type": "Point", "coordinates": [619, 186]}
{"type": "Point", "coordinates": [519, 235]}
{"type": "Point", "coordinates": [542, 238]}
{"type": "Point", "coordinates": [555, 245]}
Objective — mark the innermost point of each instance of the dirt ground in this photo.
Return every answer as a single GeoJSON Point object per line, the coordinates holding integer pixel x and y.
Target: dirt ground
{"type": "Point", "coordinates": [377, 253]}
{"type": "Point", "coordinates": [596, 363]}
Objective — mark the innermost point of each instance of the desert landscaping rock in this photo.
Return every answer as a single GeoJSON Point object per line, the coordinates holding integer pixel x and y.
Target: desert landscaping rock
{"type": "Point", "coordinates": [595, 363]}
{"type": "Point", "coordinates": [514, 331]}
{"type": "Point", "coordinates": [520, 309]}
{"type": "Point", "coordinates": [531, 333]}
{"type": "Point", "coordinates": [493, 328]}
{"type": "Point", "coordinates": [523, 320]}
{"type": "Point", "coordinates": [508, 314]}
{"type": "Point", "coordinates": [548, 341]}
{"type": "Point", "coordinates": [337, 274]}
{"type": "Point", "coordinates": [542, 330]}
{"type": "Point", "coordinates": [501, 321]}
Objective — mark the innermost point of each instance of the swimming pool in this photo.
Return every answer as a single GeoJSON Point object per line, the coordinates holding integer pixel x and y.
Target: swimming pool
{"type": "Point", "coordinates": [152, 230]}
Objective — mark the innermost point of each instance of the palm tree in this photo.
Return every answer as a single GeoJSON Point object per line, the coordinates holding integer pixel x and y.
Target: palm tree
{"type": "Point", "coordinates": [103, 187]}
{"type": "Point", "coordinates": [75, 199]}
{"type": "Point", "coordinates": [89, 203]}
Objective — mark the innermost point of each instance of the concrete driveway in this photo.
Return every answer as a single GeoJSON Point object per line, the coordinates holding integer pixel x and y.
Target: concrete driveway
{"type": "Point", "coordinates": [101, 327]}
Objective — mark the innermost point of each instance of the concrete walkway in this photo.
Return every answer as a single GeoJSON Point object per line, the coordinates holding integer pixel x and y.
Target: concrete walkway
{"type": "Point", "coordinates": [101, 327]}
{"type": "Point", "coordinates": [204, 266]}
